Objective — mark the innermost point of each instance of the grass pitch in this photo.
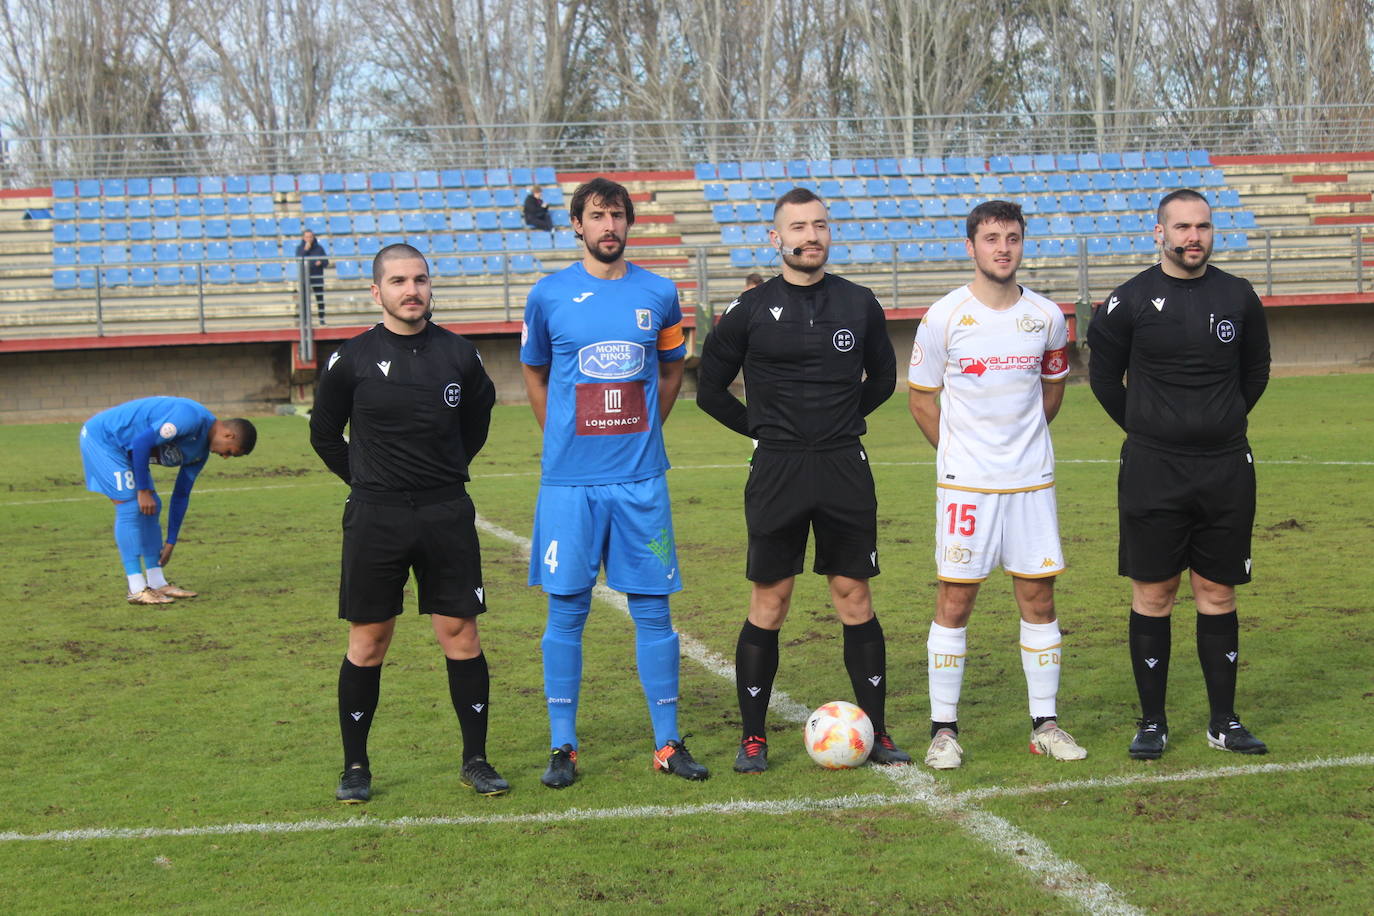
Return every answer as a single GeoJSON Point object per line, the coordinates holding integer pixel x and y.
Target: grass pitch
{"type": "Point", "coordinates": [185, 757]}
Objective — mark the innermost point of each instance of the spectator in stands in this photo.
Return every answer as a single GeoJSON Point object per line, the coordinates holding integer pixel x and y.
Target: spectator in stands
{"type": "Point", "coordinates": [310, 247]}
{"type": "Point", "coordinates": [536, 211]}
{"type": "Point", "coordinates": [753, 280]}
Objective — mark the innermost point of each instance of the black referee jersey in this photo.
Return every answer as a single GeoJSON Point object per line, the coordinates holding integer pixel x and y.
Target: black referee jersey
{"type": "Point", "coordinates": [417, 408]}
{"type": "Point", "coordinates": [1194, 354]}
{"type": "Point", "coordinates": [816, 360]}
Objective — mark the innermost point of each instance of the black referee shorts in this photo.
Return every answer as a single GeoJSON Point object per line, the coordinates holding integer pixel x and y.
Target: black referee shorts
{"type": "Point", "coordinates": [791, 492]}
{"type": "Point", "coordinates": [383, 541]}
{"type": "Point", "coordinates": [1182, 512]}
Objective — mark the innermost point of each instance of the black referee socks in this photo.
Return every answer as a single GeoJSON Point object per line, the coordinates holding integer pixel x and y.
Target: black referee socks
{"type": "Point", "coordinates": [469, 686]}
{"type": "Point", "coordinates": [865, 658]}
{"type": "Point", "coordinates": [359, 689]}
{"type": "Point", "coordinates": [756, 664]}
{"type": "Point", "coordinates": [1218, 649]}
{"type": "Point", "coordinates": [1149, 641]}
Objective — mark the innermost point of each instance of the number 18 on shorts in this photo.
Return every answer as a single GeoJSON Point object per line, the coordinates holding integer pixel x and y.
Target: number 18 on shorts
{"type": "Point", "coordinates": [977, 532]}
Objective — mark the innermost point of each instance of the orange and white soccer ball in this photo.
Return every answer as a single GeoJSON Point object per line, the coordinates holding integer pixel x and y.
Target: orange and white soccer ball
{"type": "Point", "coordinates": [839, 735]}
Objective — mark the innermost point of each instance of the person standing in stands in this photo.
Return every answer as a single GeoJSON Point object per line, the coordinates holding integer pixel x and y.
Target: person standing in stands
{"type": "Point", "coordinates": [312, 270]}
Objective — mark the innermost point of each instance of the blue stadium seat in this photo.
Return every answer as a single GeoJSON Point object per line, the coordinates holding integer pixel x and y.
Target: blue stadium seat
{"type": "Point", "coordinates": [347, 269]}
{"type": "Point", "coordinates": [498, 178]}
{"type": "Point", "coordinates": [355, 181]}
{"type": "Point", "coordinates": [732, 235]}
{"type": "Point", "coordinates": [713, 192]}
{"type": "Point", "coordinates": [64, 255]}
{"type": "Point", "coordinates": [1143, 244]}
{"type": "Point", "coordinates": [462, 221]}
{"type": "Point", "coordinates": [388, 222]}
{"type": "Point", "coordinates": [1244, 219]}
{"type": "Point", "coordinates": [564, 239]}
{"type": "Point", "coordinates": [164, 229]}
{"type": "Point", "coordinates": [888, 209]}
{"type": "Point", "coordinates": [1102, 181]}
{"type": "Point", "coordinates": [241, 228]}
{"type": "Point", "coordinates": [217, 251]}
{"type": "Point", "coordinates": [1098, 246]}
{"type": "Point", "coordinates": [510, 219]}
{"type": "Point", "coordinates": [384, 200]}
{"type": "Point", "coordinates": [191, 229]}
{"type": "Point", "coordinates": [266, 248]}
{"type": "Point", "coordinates": [522, 177]}
{"type": "Point", "coordinates": [450, 178]}
{"type": "Point", "coordinates": [495, 263]}
{"type": "Point", "coordinates": [504, 197]}
{"type": "Point", "coordinates": [64, 209]}
{"type": "Point", "coordinates": [219, 274]}
{"type": "Point", "coordinates": [774, 169]}
{"type": "Point", "coordinates": [798, 168]}
{"type": "Point", "coordinates": [447, 267]}
{"type": "Point", "coordinates": [140, 253]}
{"type": "Point", "coordinates": [271, 272]}
{"type": "Point", "coordinates": [192, 251]}
{"type": "Point", "coordinates": [1237, 241]}
{"type": "Point", "coordinates": [865, 209]}
{"type": "Point", "coordinates": [748, 213]}
{"type": "Point", "coordinates": [523, 264]}
{"type": "Point", "coordinates": [64, 188]}
{"type": "Point", "coordinates": [1094, 203]}
{"type": "Point", "coordinates": [211, 206]}
{"type": "Point", "coordinates": [839, 254]}
{"type": "Point", "coordinates": [64, 279]}
{"type": "Point", "coordinates": [932, 165]}
{"type": "Point", "coordinates": [88, 232]}
{"type": "Point", "coordinates": [1071, 203]}
{"type": "Point", "coordinates": [545, 175]}
{"type": "Point", "coordinates": [861, 254]}
{"type": "Point", "coordinates": [369, 245]}
{"type": "Point", "coordinates": [1061, 225]}
{"type": "Point", "coordinates": [169, 275]}
{"type": "Point", "coordinates": [865, 168]}
{"type": "Point", "coordinates": [516, 241]}
{"type": "Point", "coordinates": [474, 178]}
{"type": "Point", "coordinates": [283, 184]}
{"type": "Point", "coordinates": [481, 198]}
{"type": "Point", "coordinates": [214, 228]}
{"type": "Point", "coordinates": [1022, 163]}
{"type": "Point", "coordinates": [491, 241]}
{"type": "Point", "coordinates": [1199, 158]}
{"type": "Point", "coordinates": [443, 243]}
{"type": "Point", "coordinates": [309, 182]}
{"type": "Point", "coordinates": [723, 213]}
{"type": "Point", "coordinates": [141, 276]}
{"type": "Point", "coordinates": [1176, 159]}
{"type": "Point", "coordinates": [1153, 159]}
{"type": "Point", "coordinates": [332, 183]}
{"type": "Point", "coordinates": [819, 168]}
{"type": "Point", "coordinates": [413, 222]}
{"type": "Point", "coordinates": [245, 273]}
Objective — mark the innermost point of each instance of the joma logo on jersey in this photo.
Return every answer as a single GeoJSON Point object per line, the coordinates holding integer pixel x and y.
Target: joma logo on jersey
{"type": "Point", "coordinates": [611, 359]}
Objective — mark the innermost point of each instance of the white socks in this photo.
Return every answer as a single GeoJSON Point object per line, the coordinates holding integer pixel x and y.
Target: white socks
{"type": "Point", "coordinates": [137, 583]}
{"type": "Point", "coordinates": [945, 651]}
{"type": "Point", "coordinates": [155, 577]}
{"type": "Point", "coordinates": [1040, 657]}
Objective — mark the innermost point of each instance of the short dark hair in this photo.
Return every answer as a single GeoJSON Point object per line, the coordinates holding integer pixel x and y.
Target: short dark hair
{"type": "Point", "coordinates": [603, 189]}
{"type": "Point", "coordinates": [245, 432]}
{"type": "Point", "coordinates": [994, 211]}
{"type": "Point", "coordinates": [796, 196]}
{"type": "Point", "coordinates": [754, 279]}
{"type": "Point", "coordinates": [1180, 194]}
{"type": "Point", "coordinates": [391, 253]}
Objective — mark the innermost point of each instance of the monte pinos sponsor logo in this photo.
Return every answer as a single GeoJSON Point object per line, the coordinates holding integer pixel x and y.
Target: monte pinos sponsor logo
{"type": "Point", "coordinates": [611, 359]}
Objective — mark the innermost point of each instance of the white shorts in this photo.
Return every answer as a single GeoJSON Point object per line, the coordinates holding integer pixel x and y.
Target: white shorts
{"type": "Point", "coordinates": [975, 532]}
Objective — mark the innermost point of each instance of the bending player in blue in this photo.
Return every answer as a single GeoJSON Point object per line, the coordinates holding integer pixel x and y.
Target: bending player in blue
{"type": "Point", "coordinates": [602, 351]}
{"type": "Point", "coordinates": [118, 444]}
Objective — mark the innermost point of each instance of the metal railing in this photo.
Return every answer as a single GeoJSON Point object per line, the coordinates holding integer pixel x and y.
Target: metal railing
{"type": "Point", "coordinates": [612, 145]}
{"type": "Point", "coordinates": [1278, 261]}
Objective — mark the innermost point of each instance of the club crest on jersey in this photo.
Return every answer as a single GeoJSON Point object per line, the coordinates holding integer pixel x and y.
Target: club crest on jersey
{"type": "Point", "coordinates": [843, 340]}
{"type": "Point", "coordinates": [611, 359]}
{"type": "Point", "coordinates": [1226, 331]}
{"type": "Point", "coordinates": [167, 430]}
{"type": "Point", "coordinates": [917, 354]}
{"type": "Point", "coordinates": [453, 394]}
{"type": "Point", "coordinates": [644, 319]}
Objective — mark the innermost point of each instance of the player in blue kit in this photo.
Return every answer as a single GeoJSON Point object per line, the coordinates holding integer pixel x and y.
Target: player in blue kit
{"type": "Point", "coordinates": [118, 444]}
{"type": "Point", "coordinates": [602, 351]}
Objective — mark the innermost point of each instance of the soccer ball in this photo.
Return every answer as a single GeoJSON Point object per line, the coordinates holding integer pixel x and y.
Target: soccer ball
{"type": "Point", "coordinates": [839, 735]}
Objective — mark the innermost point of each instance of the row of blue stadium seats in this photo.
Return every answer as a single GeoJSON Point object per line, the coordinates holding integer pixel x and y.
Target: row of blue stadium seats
{"type": "Point", "coordinates": [468, 266]}
{"type": "Point", "coordinates": [190, 185]}
{"type": "Point", "coordinates": [270, 272]}
{"type": "Point", "coordinates": [901, 230]}
{"type": "Point", "coordinates": [918, 208]}
{"type": "Point", "coordinates": [161, 208]}
{"type": "Point", "coordinates": [951, 165]}
{"type": "Point", "coordinates": [832, 188]}
{"type": "Point", "coordinates": [908, 252]}
{"type": "Point", "coordinates": [189, 207]}
{"type": "Point", "coordinates": [428, 200]}
{"type": "Point", "coordinates": [339, 224]}
{"type": "Point", "coordinates": [441, 243]}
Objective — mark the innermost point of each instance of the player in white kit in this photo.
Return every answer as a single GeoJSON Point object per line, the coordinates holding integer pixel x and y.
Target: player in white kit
{"type": "Point", "coordinates": [986, 378]}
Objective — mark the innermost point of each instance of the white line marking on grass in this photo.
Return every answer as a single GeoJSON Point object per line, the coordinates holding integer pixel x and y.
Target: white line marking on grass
{"type": "Point", "coordinates": [1057, 875]}
{"type": "Point", "coordinates": [1145, 779]}
{"type": "Point", "coordinates": [635, 812]}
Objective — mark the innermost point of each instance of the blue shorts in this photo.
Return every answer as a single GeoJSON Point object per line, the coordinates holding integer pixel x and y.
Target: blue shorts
{"type": "Point", "coordinates": [108, 471]}
{"type": "Point", "coordinates": [628, 526]}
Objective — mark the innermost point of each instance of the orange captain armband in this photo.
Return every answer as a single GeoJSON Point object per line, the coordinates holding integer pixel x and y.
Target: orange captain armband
{"type": "Point", "coordinates": [670, 338]}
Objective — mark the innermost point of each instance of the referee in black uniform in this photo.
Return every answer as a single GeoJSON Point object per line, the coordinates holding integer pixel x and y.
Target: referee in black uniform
{"type": "Point", "coordinates": [1191, 341]}
{"type": "Point", "coordinates": [816, 360]}
{"type": "Point", "coordinates": [418, 404]}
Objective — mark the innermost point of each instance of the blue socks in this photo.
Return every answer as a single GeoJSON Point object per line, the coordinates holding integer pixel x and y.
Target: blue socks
{"type": "Point", "coordinates": [562, 647]}
{"type": "Point", "coordinates": [657, 654]}
{"type": "Point", "coordinates": [128, 534]}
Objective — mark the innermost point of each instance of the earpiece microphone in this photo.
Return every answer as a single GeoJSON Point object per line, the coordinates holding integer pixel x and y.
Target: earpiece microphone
{"type": "Point", "coordinates": [796, 252]}
{"type": "Point", "coordinates": [1179, 249]}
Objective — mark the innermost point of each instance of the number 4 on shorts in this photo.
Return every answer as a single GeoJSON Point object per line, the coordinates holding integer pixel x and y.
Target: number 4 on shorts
{"type": "Point", "coordinates": [551, 557]}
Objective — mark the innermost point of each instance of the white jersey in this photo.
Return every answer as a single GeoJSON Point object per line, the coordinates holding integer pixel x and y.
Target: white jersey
{"type": "Point", "coordinates": [990, 363]}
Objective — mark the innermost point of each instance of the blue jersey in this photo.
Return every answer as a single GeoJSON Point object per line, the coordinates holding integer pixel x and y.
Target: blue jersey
{"type": "Point", "coordinates": [602, 341]}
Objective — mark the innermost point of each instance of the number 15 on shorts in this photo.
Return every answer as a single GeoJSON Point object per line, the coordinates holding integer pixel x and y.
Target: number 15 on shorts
{"type": "Point", "coordinates": [961, 518]}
